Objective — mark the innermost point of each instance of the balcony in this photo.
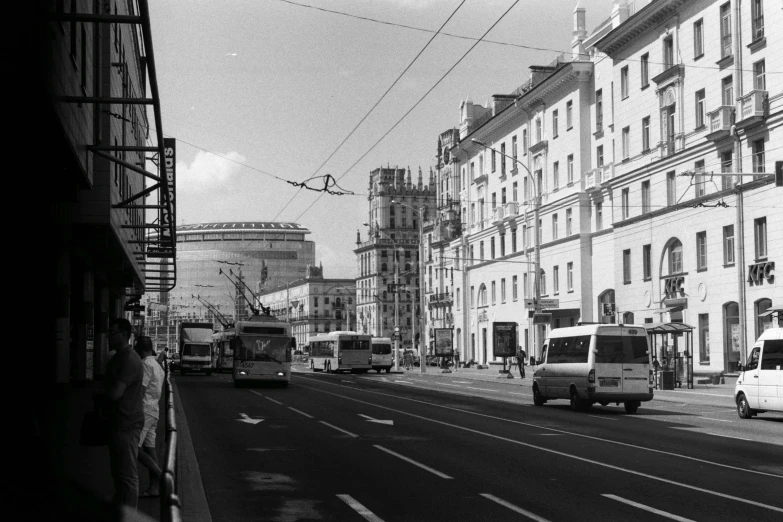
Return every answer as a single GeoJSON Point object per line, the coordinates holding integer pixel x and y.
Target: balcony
{"type": "Point", "coordinates": [497, 215]}
{"type": "Point", "coordinates": [538, 147]}
{"type": "Point", "coordinates": [754, 107]}
{"type": "Point", "coordinates": [444, 231]}
{"type": "Point", "coordinates": [481, 178]}
{"type": "Point", "coordinates": [510, 210]}
{"type": "Point", "coordinates": [720, 121]}
{"type": "Point", "coordinates": [445, 299]}
{"type": "Point", "coordinates": [593, 179]}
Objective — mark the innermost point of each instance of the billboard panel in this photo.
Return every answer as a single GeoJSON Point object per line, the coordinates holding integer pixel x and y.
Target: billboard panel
{"type": "Point", "coordinates": [443, 342]}
{"type": "Point", "coordinates": [504, 339]}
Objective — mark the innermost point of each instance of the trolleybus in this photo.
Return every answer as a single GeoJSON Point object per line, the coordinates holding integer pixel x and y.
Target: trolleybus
{"type": "Point", "coordinates": [341, 351]}
{"type": "Point", "coordinates": [262, 347]}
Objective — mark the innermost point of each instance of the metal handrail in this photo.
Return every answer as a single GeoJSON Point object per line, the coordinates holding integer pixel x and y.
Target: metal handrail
{"type": "Point", "coordinates": [170, 505]}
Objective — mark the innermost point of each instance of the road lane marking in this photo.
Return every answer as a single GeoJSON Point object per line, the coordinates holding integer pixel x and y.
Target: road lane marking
{"type": "Point", "coordinates": [512, 507]}
{"type": "Point", "coordinates": [647, 508]}
{"type": "Point", "coordinates": [696, 430]}
{"type": "Point", "coordinates": [359, 508]}
{"type": "Point", "coordinates": [481, 389]}
{"type": "Point", "coordinates": [537, 426]}
{"type": "Point", "coordinates": [602, 417]}
{"type": "Point", "coordinates": [349, 382]}
{"type": "Point", "coordinates": [248, 420]}
{"type": "Point", "coordinates": [411, 461]}
{"type": "Point", "coordinates": [339, 429]}
{"type": "Point", "coordinates": [301, 413]}
{"type": "Point", "coordinates": [710, 418]}
{"type": "Point", "coordinates": [462, 382]}
{"type": "Point", "coordinates": [276, 402]}
{"type": "Point", "coordinates": [379, 421]}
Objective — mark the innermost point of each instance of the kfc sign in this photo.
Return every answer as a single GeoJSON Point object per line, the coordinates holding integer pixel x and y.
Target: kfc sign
{"type": "Point", "coordinates": [760, 271]}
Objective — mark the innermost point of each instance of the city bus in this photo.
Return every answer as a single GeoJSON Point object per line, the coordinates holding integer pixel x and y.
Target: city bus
{"type": "Point", "coordinates": [262, 347]}
{"type": "Point", "coordinates": [341, 352]}
{"type": "Point", "coordinates": [382, 357]}
{"type": "Point", "coordinates": [223, 350]}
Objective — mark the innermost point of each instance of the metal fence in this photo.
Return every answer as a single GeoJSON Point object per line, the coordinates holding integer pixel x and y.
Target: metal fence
{"type": "Point", "coordinates": [170, 506]}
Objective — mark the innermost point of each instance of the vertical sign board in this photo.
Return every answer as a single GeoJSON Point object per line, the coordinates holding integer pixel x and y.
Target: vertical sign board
{"type": "Point", "coordinates": [443, 342]}
{"type": "Point", "coordinates": [504, 339]}
{"type": "Point", "coordinates": [166, 216]}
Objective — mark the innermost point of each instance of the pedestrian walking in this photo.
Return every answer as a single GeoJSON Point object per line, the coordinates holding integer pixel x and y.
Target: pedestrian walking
{"type": "Point", "coordinates": [521, 362]}
{"type": "Point", "coordinates": [153, 386]}
{"type": "Point", "coordinates": [456, 358]}
{"type": "Point", "coordinates": [406, 359]}
{"type": "Point", "coordinates": [163, 358]}
{"type": "Point", "coordinates": [122, 401]}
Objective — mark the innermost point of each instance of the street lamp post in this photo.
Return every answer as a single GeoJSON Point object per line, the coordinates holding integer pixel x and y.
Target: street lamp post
{"type": "Point", "coordinates": [536, 209]}
{"type": "Point", "coordinates": [422, 315]}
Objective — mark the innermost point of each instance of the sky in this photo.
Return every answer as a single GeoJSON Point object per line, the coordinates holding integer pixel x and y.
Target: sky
{"type": "Point", "coordinates": [261, 93]}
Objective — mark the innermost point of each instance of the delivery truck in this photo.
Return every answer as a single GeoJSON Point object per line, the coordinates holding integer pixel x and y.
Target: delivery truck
{"type": "Point", "coordinates": [195, 348]}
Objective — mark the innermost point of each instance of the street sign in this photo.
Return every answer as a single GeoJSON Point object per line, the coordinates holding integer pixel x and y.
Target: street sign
{"type": "Point", "coordinates": [530, 303]}
{"type": "Point", "coordinates": [542, 318]}
{"type": "Point", "coordinates": [542, 303]}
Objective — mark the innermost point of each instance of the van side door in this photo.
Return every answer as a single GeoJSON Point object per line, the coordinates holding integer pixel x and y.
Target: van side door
{"type": "Point", "coordinates": [770, 374]}
{"type": "Point", "coordinates": [751, 379]}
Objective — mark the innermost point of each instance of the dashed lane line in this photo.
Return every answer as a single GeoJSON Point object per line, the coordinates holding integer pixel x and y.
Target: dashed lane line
{"type": "Point", "coordinates": [648, 508]}
{"type": "Point", "coordinates": [301, 412]}
{"type": "Point", "coordinates": [602, 417]}
{"type": "Point", "coordinates": [415, 463]}
{"type": "Point", "coordinates": [339, 429]}
{"type": "Point", "coordinates": [514, 508]}
{"type": "Point", "coordinates": [359, 508]}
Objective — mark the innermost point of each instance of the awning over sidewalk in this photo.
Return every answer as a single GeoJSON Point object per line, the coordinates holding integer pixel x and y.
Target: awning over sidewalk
{"type": "Point", "coordinates": [666, 328]}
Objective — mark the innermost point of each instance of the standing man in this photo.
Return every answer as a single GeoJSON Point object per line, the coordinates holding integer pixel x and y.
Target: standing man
{"type": "Point", "coordinates": [153, 386]}
{"type": "Point", "coordinates": [122, 397]}
{"type": "Point", "coordinates": [456, 359]}
{"type": "Point", "coordinates": [163, 358]}
{"type": "Point", "coordinates": [521, 361]}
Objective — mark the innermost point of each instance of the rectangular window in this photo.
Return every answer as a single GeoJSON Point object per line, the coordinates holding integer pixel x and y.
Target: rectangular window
{"type": "Point", "coordinates": [481, 251]}
{"type": "Point", "coordinates": [542, 283]}
{"type": "Point", "coordinates": [760, 233]}
{"type": "Point", "coordinates": [599, 111]}
{"type": "Point", "coordinates": [556, 279]}
{"type": "Point", "coordinates": [554, 123]}
{"type": "Point", "coordinates": [701, 250]}
{"type": "Point", "coordinates": [514, 288]}
{"type": "Point", "coordinates": [704, 338]}
{"type": "Point", "coordinates": [758, 157]}
{"type": "Point", "coordinates": [698, 39]}
{"type": "Point", "coordinates": [568, 222]}
{"type": "Point", "coordinates": [525, 189]}
{"type": "Point", "coordinates": [760, 76]}
{"type": "Point", "coordinates": [492, 247]}
{"type": "Point", "coordinates": [503, 196]}
{"type": "Point", "coordinates": [556, 175]}
{"type": "Point", "coordinates": [626, 142]}
{"type": "Point", "coordinates": [757, 8]}
{"type": "Point", "coordinates": [472, 296]}
{"type": "Point", "coordinates": [554, 227]}
{"type": "Point", "coordinates": [514, 149]}
{"type": "Point", "coordinates": [494, 159]}
{"type": "Point", "coordinates": [646, 134]}
{"type": "Point", "coordinates": [671, 188]}
{"type": "Point", "coordinates": [524, 286]}
{"type": "Point", "coordinates": [700, 110]}
{"type": "Point", "coordinates": [599, 216]}
{"type": "Point", "coordinates": [725, 30]}
{"type": "Point", "coordinates": [514, 192]}
{"type": "Point", "coordinates": [645, 70]}
{"type": "Point", "coordinates": [698, 179]}
{"type": "Point", "coordinates": [726, 167]}
{"type": "Point", "coordinates": [599, 156]}
{"type": "Point", "coordinates": [626, 205]}
{"type": "Point", "coordinates": [624, 82]}
{"type": "Point", "coordinates": [647, 262]}
{"type": "Point", "coordinates": [570, 173]}
{"type": "Point", "coordinates": [569, 114]}
{"type": "Point", "coordinates": [524, 141]}
{"type": "Point", "coordinates": [570, 276]}
{"type": "Point", "coordinates": [513, 240]}
{"type": "Point", "coordinates": [727, 91]}
{"type": "Point", "coordinates": [668, 52]}
{"type": "Point", "coordinates": [728, 245]}
{"type": "Point", "coordinates": [502, 159]}
{"type": "Point", "coordinates": [626, 266]}
{"type": "Point", "coordinates": [503, 290]}
{"type": "Point", "coordinates": [502, 245]}
{"type": "Point", "coordinates": [493, 292]}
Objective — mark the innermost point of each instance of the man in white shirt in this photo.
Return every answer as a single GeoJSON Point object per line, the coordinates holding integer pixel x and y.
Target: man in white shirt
{"type": "Point", "coordinates": [153, 386]}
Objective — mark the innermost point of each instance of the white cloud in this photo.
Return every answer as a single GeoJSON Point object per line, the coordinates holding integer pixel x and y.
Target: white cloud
{"type": "Point", "coordinates": [208, 171]}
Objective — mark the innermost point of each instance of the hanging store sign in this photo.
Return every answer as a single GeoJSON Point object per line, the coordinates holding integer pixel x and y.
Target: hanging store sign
{"type": "Point", "coordinates": [760, 271]}
{"type": "Point", "coordinates": [674, 287]}
{"type": "Point", "coordinates": [167, 212]}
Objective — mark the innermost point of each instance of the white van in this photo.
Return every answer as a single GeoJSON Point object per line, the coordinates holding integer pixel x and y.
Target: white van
{"type": "Point", "coordinates": [595, 363]}
{"type": "Point", "coordinates": [759, 386]}
{"type": "Point", "coordinates": [382, 357]}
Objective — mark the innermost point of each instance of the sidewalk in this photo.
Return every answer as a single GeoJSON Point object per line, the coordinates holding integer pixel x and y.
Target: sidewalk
{"type": "Point", "coordinates": [708, 394]}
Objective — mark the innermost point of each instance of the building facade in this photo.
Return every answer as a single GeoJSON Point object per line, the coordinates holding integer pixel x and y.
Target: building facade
{"type": "Point", "coordinates": [388, 261]}
{"type": "Point", "coordinates": [629, 181]}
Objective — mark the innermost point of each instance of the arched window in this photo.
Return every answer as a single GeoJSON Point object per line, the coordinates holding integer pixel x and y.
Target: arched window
{"type": "Point", "coordinates": [606, 307]}
{"type": "Point", "coordinates": [384, 267]}
{"type": "Point", "coordinates": [762, 323]}
{"type": "Point", "coordinates": [628, 318]}
{"type": "Point", "coordinates": [482, 296]}
{"type": "Point", "coordinates": [407, 266]}
{"type": "Point", "coordinates": [674, 253]}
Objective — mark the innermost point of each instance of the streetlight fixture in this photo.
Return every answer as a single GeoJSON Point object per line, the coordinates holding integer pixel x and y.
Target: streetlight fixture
{"type": "Point", "coordinates": [536, 210]}
{"type": "Point", "coordinates": [422, 315]}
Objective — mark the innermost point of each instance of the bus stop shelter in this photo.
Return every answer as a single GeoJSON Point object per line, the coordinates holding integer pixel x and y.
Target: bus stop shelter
{"type": "Point", "coordinates": [672, 345]}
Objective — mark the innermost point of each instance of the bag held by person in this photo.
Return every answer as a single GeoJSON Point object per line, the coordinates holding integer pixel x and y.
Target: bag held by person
{"type": "Point", "coordinates": [95, 430]}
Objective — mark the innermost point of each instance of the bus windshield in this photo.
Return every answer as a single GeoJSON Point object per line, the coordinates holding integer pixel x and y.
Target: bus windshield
{"type": "Point", "coordinates": [258, 348]}
{"type": "Point", "coordinates": [355, 345]}
{"type": "Point", "coordinates": [195, 350]}
{"type": "Point", "coordinates": [381, 349]}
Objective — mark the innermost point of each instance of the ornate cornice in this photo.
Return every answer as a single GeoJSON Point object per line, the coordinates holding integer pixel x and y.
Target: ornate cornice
{"type": "Point", "coordinates": [651, 16]}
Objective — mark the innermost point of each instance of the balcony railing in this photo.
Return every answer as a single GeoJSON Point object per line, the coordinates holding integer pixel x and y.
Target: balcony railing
{"type": "Point", "coordinates": [441, 298]}
{"type": "Point", "coordinates": [510, 210]}
{"type": "Point", "coordinates": [720, 122]}
{"type": "Point", "coordinates": [753, 105]}
{"type": "Point", "coordinates": [594, 178]}
{"type": "Point", "coordinates": [497, 215]}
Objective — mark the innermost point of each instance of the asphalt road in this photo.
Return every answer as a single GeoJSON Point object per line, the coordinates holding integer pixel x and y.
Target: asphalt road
{"type": "Point", "coordinates": [425, 447]}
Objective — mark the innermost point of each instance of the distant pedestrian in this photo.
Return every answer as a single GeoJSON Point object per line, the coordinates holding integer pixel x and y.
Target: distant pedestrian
{"type": "Point", "coordinates": [122, 400]}
{"type": "Point", "coordinates": [456, 359]}
{"type": "Point", "coordinates": [163, 358]}
{"type": "Point", "coordinates": [521, 362]}
{"type": "Point", "coordinates": [153, 386]}
{"type": "Point", "coordinates": [406, 359]}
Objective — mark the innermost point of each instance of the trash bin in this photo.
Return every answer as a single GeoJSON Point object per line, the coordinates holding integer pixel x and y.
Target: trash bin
{"type": "Point", "coordinates": [667, 380]}
{"type": "Point", "coordinates": [716, 379]}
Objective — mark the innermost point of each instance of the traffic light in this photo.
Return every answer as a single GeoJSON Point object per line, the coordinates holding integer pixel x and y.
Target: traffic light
{"type": "Point", "coordinates": [779, 173]}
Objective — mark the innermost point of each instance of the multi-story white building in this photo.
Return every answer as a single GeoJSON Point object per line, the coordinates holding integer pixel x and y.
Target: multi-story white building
{"type": "Point", "coordinates": [649, 148]}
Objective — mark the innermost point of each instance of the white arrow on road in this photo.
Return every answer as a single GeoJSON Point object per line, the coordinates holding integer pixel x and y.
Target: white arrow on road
{"type": "Point", "coordinates": [370, 419]}
{"type": "Point", "coordinates": [247, 419]}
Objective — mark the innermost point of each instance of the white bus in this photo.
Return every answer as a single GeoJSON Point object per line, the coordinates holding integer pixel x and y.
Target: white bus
{"type": "Point", "coordinates": [340, 351]}
{"type": "Point", "coordinates": [382, 356]}
{"type": "Point", "coordinates": [262, 348]}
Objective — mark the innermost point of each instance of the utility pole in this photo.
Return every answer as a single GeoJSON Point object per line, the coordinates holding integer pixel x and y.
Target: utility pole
{"type": "Point", "coordinates": [396, 312]}
{"type": "Point", "coordinates": [422, 314]}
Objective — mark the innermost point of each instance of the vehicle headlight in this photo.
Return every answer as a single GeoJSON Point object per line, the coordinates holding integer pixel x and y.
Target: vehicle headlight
{"type": "Point", "coordinates": [242, 372]}
{"type": "Point", "coordinates": [280, 374]}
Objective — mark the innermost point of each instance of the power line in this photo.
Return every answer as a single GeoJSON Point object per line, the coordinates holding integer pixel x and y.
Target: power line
{"type": "Point", "coordinates": [417, 103]}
